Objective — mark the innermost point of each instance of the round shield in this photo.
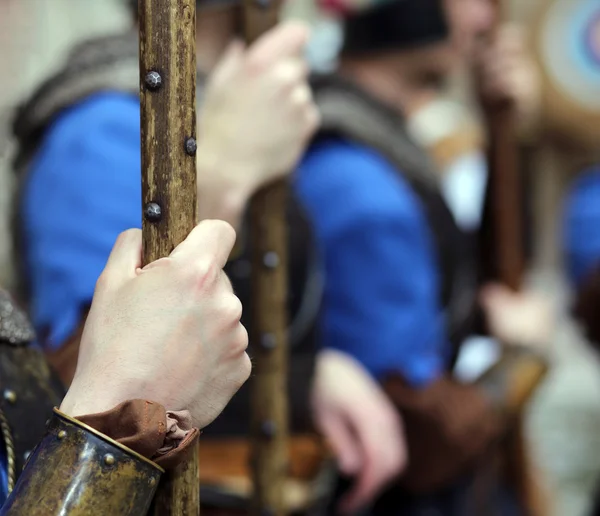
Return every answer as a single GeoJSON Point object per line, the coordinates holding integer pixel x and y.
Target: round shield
{"type": "Point", "coordinates": [568, 49]}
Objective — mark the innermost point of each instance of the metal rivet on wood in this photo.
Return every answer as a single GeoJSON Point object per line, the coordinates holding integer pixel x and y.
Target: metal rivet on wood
{"type": "Point", "coordinates": [268, 429]}
{"type": "Point", "coordinates": [271, 260]}
{"type": "Point", "coordinates": [268, 341]}
{"type": "Point", "coordinates": [152, 212]}
{"type": "Point", "coordinates": [153, 80]}
{"type": "Point", "coordinates": [191, 146]}
{"type": "Point", "coordinates": [10, 396]}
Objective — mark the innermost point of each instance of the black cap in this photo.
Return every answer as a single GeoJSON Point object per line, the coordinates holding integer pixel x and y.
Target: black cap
{"type": "Point", "coordinates": [395, 25]}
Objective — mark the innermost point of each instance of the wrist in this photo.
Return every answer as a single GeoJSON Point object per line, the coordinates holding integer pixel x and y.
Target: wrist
{"type": "Point", "coordinates": [83, 401]}
{"type": "Point", "coordinates": [224, 189]}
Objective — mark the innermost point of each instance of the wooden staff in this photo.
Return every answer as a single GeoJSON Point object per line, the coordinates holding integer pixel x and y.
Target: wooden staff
{"type": "Point", "coordinates": [269, 241]}
{"type": "Point", "coordinates": [506, 214]}
{"type": "Point", "coordinates": [168, 130]}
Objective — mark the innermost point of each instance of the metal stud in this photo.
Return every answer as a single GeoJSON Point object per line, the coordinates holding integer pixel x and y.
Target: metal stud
{"type": "Point", "coordinates": [268, 429]}
{"type": "Point", "coordinates": [26, 455]}
{"type": "Point", "coordinates": [271, 260]}
{"type": "Point", "coordinates": [152, 482]}
{"type": "Point", "coordinates": [241, 268]}
{"type": "Point", "coordinates": [191, 147]}
{"type": "Point", "coordinates": [153, 80]}
{"type": "Point", "coordinates": [152, 212]}
{"type": "Point", "coordinates": [109, 459]}
{"type": "Point", "coordinates": [268, 341]}
{"type": "Point", "coordinates": [10, 396]}
{"type": "Point", "coordinates": [62, 434]}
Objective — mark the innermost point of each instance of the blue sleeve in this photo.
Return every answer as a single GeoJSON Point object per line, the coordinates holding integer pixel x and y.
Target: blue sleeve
{"type": "Point", "coordinates": [382, 286]}
{"type": "Point", "coordinates": [3, 474]}
{"type": "Point", "coordinates": [582, 226]}
{"type": "Point", "coordinates": [83, 189]}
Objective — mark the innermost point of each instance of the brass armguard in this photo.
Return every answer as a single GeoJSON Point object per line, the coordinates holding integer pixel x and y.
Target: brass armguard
{"type": "Point", "coordinates": [78, 471]}
{"type": "Point", "coordinates": [511, 382]}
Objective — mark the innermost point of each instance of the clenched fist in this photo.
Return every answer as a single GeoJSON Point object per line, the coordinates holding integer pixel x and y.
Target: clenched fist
{"type": "Point", "coordinates": [169, 332]}
{"type": "Point", "coordinates": [256, 119]}
{"type": "Point", "coordinates": [509, 73]}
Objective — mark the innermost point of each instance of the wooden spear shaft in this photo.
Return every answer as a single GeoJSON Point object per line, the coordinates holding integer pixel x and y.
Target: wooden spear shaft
{"type": "Point", "coordinates": [168, 132]}
{"type": "Point", "coordinates": [269, 239]}
{"type": "Point", "coordinates": [507, 227]}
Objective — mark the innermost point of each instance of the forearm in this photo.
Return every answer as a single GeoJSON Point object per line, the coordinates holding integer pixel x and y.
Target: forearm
{"type": "Point", "coordinates": [114, 458]}
{"type": "Point", "coordinates": [78, 471]}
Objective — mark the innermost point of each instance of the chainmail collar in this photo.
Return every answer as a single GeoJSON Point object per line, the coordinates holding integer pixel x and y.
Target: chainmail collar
{"type": "Point", "coordinates": [15, 329]}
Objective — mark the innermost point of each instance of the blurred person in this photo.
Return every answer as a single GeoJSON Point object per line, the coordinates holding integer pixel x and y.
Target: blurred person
{"type": "Point", "coordinates": [138, 411]}
{"type": "Point", "coordinates": [401, 291]}
{"type": "Point", "coordinates": [256, 112]}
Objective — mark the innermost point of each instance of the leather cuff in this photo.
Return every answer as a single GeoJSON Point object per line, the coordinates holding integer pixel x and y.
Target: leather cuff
{"type": "Point", "coordinates": [76, 470]}
{"type": "Point", "coordinates": [142, 426]}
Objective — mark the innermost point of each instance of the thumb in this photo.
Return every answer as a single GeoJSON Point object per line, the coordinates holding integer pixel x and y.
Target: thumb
{"type": "Point", "coordinates": [341, 439]}
{"type": "Point", "coordinates": [125, 257]}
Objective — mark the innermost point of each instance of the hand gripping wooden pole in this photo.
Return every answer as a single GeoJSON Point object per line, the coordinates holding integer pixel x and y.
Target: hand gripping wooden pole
{"type": "Point", "coordinates": [506, 210]}
{"type": "Point", "coordinates": [269, 239]}
{"type": "Point", "coordinates": [168, 131]}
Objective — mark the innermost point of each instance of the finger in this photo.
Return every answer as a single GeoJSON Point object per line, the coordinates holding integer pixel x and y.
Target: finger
{"type": "Point", "coordinates": [364, 489]}
{"type": "Point", "coordinates": [229, 63]}
{"type": "Point", "coordinates": [212, 239]}
{"type": "Point", "coordinates": [301, 95]}
{"type": "Point", "coordinates": [287, 39]}
{"type": "Point", "coordinates": [379, 452]}
{"type": "Point", "coordinates": [291, 72]}
{"type": "Point", "coordinates": [125, 257]}
{"type": "Point", "coordinates": [341, 439]}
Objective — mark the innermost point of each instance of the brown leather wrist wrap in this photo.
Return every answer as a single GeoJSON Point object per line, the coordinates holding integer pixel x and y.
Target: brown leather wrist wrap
{"type": "Point", "coordinates": [449, 425]}
{"type": "Point", "coordinates": [141, 426]}
{"type": "Point", "coordinates": [76, 470]}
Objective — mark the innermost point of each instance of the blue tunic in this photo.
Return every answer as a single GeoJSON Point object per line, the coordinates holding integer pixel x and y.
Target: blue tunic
{"type": "Point", "coordinates": [381, 299]}
{"type": "Point", "coordinates": [582, 226]}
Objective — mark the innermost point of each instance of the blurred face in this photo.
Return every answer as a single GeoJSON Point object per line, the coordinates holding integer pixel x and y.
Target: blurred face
{"type": "Point", "coordinates": [469, 21]}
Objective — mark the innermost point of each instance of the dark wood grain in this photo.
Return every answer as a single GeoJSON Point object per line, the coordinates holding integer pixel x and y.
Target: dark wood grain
{"type": "Point", "coordinates": [168, 120]}
{"type": "Point", "coordinates": [269, 237]}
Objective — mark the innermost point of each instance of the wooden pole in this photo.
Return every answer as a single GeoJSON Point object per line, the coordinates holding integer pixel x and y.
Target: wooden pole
{"type": "Point", "coordinates": [168, 130]}
{"type": "Point", "coordinates": [269, 240]}
{"type": "Point", "coordinates": [506, 212]}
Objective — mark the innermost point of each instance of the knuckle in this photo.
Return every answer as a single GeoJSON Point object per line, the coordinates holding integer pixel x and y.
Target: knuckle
{"type": "Point", "coordinates": [241, 340]}
{"type": "Point", "coordinates": [234, 309]}
{"type": "Point", "coordinates": [201, 273]}
{"type": "Point", "coordinates": [245, 369]}
{"type": "Point", "coordinates": [287, 76]}
{"type": "Point", "coordinates": [102, 283]}
{"type": "Point", "coordinates": [313, 120]}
